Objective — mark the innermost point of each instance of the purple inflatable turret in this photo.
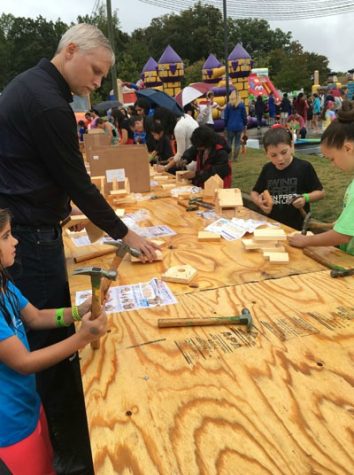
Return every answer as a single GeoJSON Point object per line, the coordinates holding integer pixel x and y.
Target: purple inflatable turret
{"type": "Point", "coordinates": [240, 64]}
{"type": "Point", "coordinates": [212, 70]}
{"type": "Point", "coordinates": [149, 74]}
{"type": "Point", "coordinates": [171, 71]}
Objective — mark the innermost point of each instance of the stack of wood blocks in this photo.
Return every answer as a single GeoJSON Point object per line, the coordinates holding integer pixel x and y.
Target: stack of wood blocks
{"type": "Point", "coordinates": [269, 241]}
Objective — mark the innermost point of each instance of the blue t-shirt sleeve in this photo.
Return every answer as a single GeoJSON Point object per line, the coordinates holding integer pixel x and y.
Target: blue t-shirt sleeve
{"type": "Point", "coordinates": [6, 330]}
{"type": "Point", "coordinates": [22, 301]}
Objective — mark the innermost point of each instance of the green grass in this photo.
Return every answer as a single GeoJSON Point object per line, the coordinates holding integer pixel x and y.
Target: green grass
{"type": "Point", "coordinates": [334, 181]}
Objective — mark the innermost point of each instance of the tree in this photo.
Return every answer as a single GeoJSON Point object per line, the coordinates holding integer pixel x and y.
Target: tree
{"type": "Point", "coordinates": [193, 73]}
{"type": "Point", "coordinates": [293, 68]}
{"type": "Point", "coordinates": [26, 42]}
{"type": "Point", "coordinates": [194, 33]}
{"type": "Point", "coordinates": [257, 37]}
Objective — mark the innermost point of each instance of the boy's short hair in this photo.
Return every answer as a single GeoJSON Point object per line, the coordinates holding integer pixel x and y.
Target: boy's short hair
{"type": "Point", "coordinates": [276, 136]}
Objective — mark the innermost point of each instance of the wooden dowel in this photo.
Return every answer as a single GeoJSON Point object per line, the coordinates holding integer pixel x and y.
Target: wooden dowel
{"type": "Point", "coordinates": [93, 255]}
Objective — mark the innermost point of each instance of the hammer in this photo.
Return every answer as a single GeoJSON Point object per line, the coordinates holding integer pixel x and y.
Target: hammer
{"type": "Point", "coordinates": [341, 273]}
{"type": "Point", "coordinates": [306, 223]}
{"type": "Point", "coordinates": [121, 250]}
{"type": "Point", "coordinates": [244, 319]}
{"type": "Point", "coordinates": [96, 274]}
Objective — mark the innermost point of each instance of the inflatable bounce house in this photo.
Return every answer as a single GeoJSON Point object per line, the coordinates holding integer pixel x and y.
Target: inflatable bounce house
{"type": "Point", "coordinates": [167, 75]}
{"type": "Point", "coordinates": [249, 82]}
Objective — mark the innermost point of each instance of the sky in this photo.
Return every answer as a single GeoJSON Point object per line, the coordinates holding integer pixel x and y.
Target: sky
{"type": "Point", "coordinates": [331, 36]}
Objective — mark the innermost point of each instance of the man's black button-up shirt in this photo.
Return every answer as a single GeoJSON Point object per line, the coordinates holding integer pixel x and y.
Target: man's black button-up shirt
{"type": "Point", "coordinates": [41, 167]}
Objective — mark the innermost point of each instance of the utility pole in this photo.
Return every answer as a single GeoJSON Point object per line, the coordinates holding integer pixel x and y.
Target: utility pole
{"type": "Point", "coordinates": [226, 53]}
{"type": "Point", "coordinates": [111, 40]}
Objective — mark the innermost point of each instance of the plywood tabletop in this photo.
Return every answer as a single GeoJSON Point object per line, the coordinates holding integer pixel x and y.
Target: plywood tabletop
{"type": "Point", "coordinates": [219, 400]}
{"type": "Point", "coordinates": [218, 263]}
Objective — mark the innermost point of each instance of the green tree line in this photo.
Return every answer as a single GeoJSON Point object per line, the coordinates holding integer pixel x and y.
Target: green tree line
{"type": "Point", "coordinates": [193, 33]}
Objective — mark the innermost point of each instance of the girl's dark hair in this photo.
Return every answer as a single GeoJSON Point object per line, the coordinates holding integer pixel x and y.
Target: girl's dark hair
{"type": "Point", "coordinates": [143, 103]}
{"type": "Point", "coordinates": [12, 301]}
{"type": "Point", "coordinates": [204, 136]}
{"type": "Point", "coordinates": [276, 136]}
{"type": "Point", "coordinates": [156, 127]}
{"type": "Point", "coordinates": [342, 128]}
{"type": "Point", "coordinates": [118, 117]}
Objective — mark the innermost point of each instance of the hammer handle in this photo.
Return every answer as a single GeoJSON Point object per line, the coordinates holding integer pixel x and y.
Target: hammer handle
{"type": "Point", "coordinates": [200, 322]}
{"type": "Point", "coordinates": [316, 257]}
{"type": "Point", "coordinates": [95, 311]}
{"type": "Point", "coordinates": [106, 283]}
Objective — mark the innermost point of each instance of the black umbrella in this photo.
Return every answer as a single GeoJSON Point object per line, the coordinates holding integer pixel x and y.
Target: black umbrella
{"type": "Point", "coordinates": [102, 107]}
{"type": "Point", "coordinates": [161, 99]}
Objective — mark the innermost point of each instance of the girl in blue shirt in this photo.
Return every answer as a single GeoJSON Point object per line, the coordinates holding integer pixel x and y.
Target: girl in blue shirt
{"type": "Point", "coordinates": [24, 442]}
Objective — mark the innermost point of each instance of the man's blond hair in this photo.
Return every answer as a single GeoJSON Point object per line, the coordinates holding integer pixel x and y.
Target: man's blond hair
{"type": "Point", "coordinates": [86, 37]}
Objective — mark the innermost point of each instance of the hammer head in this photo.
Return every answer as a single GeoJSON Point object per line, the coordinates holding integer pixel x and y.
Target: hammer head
{"type": "Point", "coordinates": [122, 248]}
{"type": "Point", "coordinates": [247, 318]}
{"type": "Point", "coordinates": [96, 273]}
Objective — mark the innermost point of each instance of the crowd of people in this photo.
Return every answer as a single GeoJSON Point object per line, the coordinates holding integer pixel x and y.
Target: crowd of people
{"type": "Point", "coordinates": [301, 113]}
{"type": "Point", "coordinates": [42, 176]}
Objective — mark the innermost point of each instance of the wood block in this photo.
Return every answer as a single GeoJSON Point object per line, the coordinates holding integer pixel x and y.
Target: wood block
{"type": "Point", "coordinates": [120, 212]}
{"type": "Point", "coordinates": [229, 198]}
{"type": "Point", "coordinates": [168, 186]}
{"type": "Point", "coordinates": [251, 244]}
{"type": "Point", "coordinates": [120, 188]}
{"type": "Point", "coordinates": [118, 192]}
{"type": "Point", "coordinates": [277, 257]}
{"type": "Point", "coordinates": [161, 177]}
{"type": "Point", "coordinates": [100, 182]}
{"type": "Point", "coordinates": [207, 236]}
{"type": "Point", "coordinates": [158, 242]}
{"type": "Point", "coordinates": [183, 274]}
{"type": "Point", "coordinates": [118, 200]}
{"type": "Point", "coordinates": [211, 185]}
{"type": "Point", "coordinates": [159, 257]}
{"type": "Point", "coordinates": [269, 234]}
{"type": "Point", "coordinates": [277, 248]}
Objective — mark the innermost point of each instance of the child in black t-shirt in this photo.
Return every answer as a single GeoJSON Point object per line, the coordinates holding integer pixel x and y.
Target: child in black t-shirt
{"type": "Point", "coordinates": [292, 183]}
{"type": "Point", "coordinates": [162, 148]}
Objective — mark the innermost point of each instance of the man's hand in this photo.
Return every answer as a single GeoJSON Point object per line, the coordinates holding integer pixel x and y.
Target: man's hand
{"type": "Point", "coordinates": [146, 247]}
